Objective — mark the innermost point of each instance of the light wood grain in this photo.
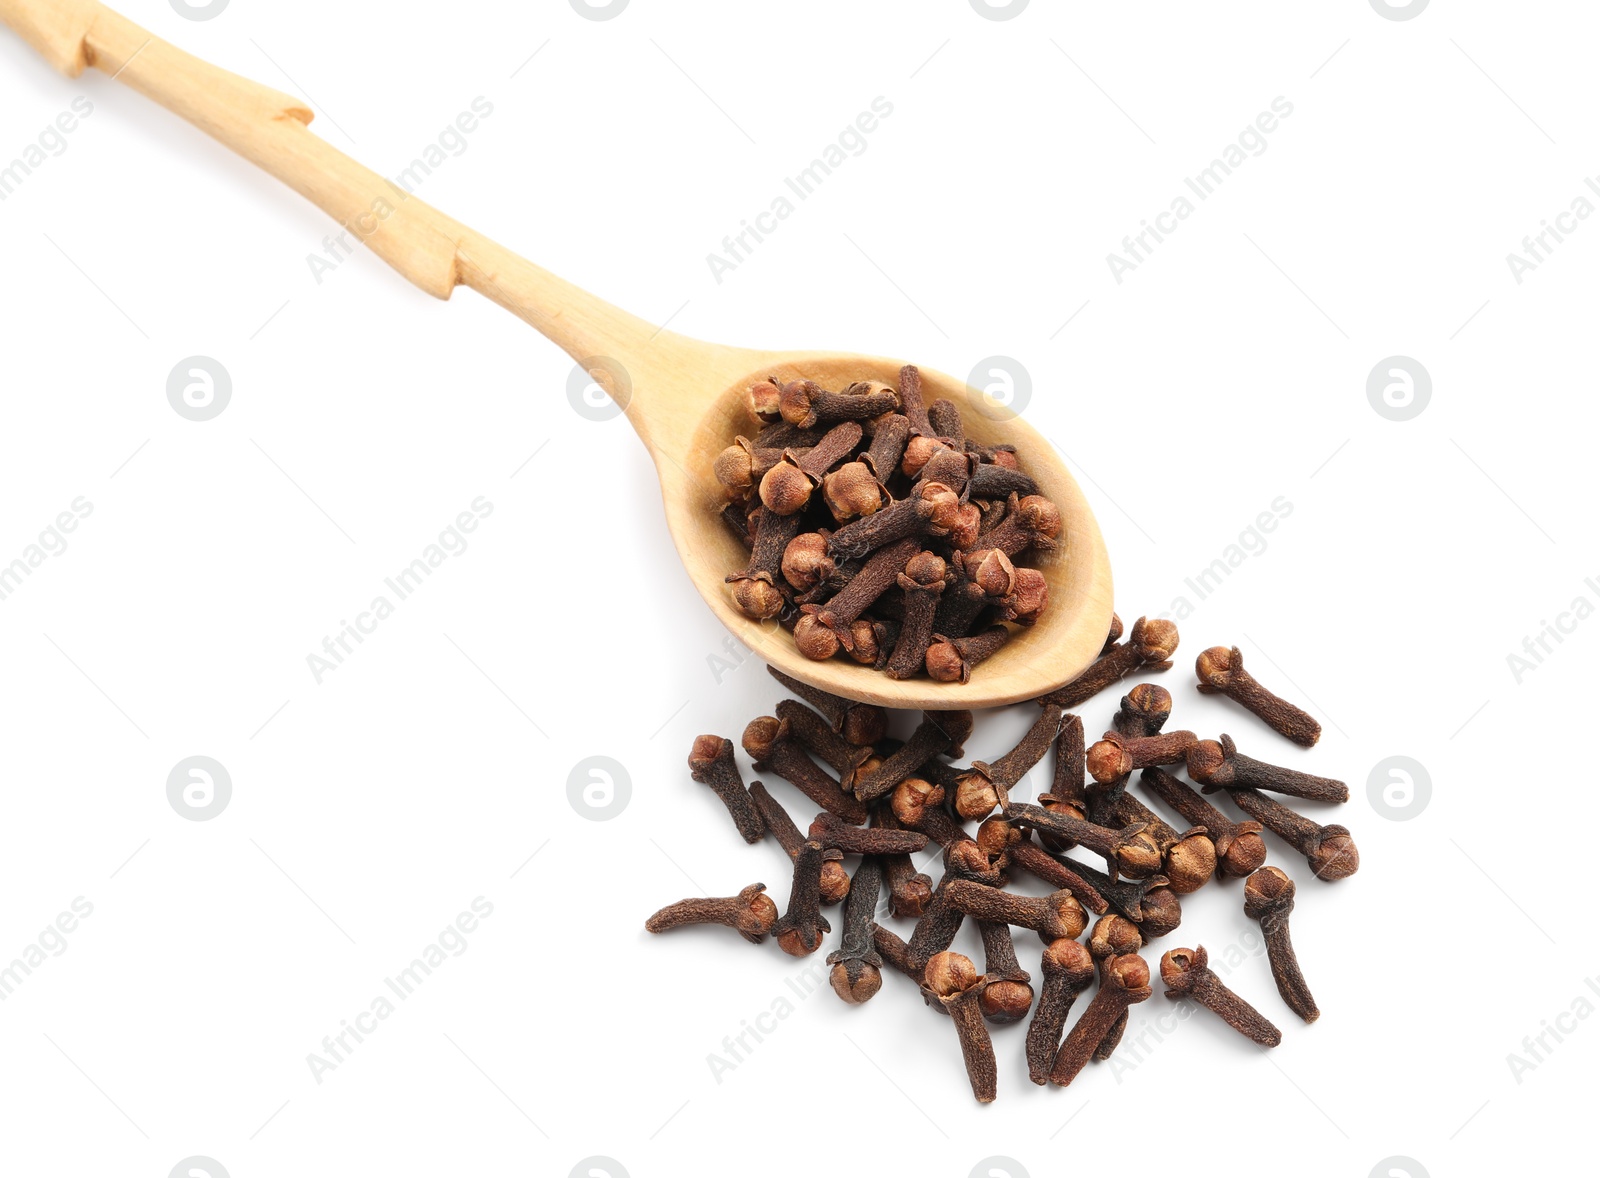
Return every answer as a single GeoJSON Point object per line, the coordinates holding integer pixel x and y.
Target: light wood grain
{"type": "Point", "coordinates": [684, 397]}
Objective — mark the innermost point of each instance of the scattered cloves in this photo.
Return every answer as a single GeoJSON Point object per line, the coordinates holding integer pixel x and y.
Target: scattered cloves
{"type": "Point", "coordinates": [939, 732]}
{"type": "Point", "coordinates": [950, 660]}
{"type": "Point", "coordinates": [1239, 848]}
{"type": "Point", "coordinates": [1112, 936]}
{"type": "Point", "coordinates": [858, 723]}
{"type": "Point", "coordinates": [711, 763]}
{"type": "Point", "coordinates": [1129, 851]}
{"type": "Point", "coordinates": [1126, 980]}
{"type": "Point", "coordinates": [1217, 764]}
{"type": "Point", "coordinates": [856, 840]}
{"type": "Point", "coordinates": [1188, 976]}
{"type": "Point", "coordinates": [834, 884]}
{"type": "Point", "coordinates": [1067, 970]}
{"type": "Point", "coordinates": [1329, 850]}
{"type": "Point", "coordinates": [1149, 647]}
{"type": "Point", "coordinates": [857, 968]}
{"type": "Point", "coordinates": [799, 930]}
{"type": "Point", "coordinates": [1144, 711]}
{"type": "Point", "coordinates": [1115, 757]}
{"type": "Point", "coordinates": [952, 982]}
{"type": "Point", "coordinates": [1057, 915]}
{"type": "Point", "coordinates": [1269, 898]}
{"type": "Point", "coordinates": [751, 913]}
{"type": "Point", "coordinates": [1221, 672]}
{"type": "Point", "coordinates": [987, 785]}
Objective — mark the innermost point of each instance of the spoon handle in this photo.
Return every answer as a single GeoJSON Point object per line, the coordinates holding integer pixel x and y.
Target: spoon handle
{"type": "Point", "coordinates": [270, 129]}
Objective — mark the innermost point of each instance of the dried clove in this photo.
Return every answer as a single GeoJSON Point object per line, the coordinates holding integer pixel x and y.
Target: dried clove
{"type": "Point", "coordinates": [934, 509]}
{"type": "Point", "coordinates": [852, 491]}
{"type": "Point", "coordinates": [855, 840]}
{"type": "Point", "coordinates": [787, 487]}
{"type": "Point", "coordinates": [922, 582]}
{"type": "Point", "coordinates": [858, 723]}
{"type": "Point", "coordinates": [1126, 980]}
{"type": "Point", "coordinates": [755, 589]}
{"type": "Point", "coordinates": [1111, 937]}
{"type": "Point", "coordinates": [909, 889]}
{"type": "Point", "coordinates": [1149, 647]}
{"type": "Point", "coordinates": [751, 913]}
{"type": "Point", "coordinates": [939, 732]}
{"type": "Point", "coordinates": [895, 952]}
{"type": "Point", "coordinates": [1269, 898]}
{"type": "Point", "coordinates": [1037, 861]}
{"type": "Point", "coordinates": [951, 981]}
{"type": "Point", "coordinates": [711, 763]}
{"type": "Point", "coordinates": [1149, 903]}
{"type": "Point", "coordinates": [1057, 915]}
{"type": "Point", "coordinates": [1030, 522]}
{"type": "Point", "coordinates": [950, 660]}
{"type": "Point", "coordinates": [1144, 711]}
{"type": "Point", "coordinates": [1221, 672]}
{"type": "Point", "coordinates": [833, 618]}
{"type": "Point", "coordinates": [1005, 995]}
{"type": "Point", "coordinates": [771, 745]}
{"type": "Point", "coordinates": [1239, 848]}
{"type": "Point", "coordinates": [1115, 757]}
{"type": "Point", "coordinates": [1129, 851]}
{"type": "Point", "coordinates": [799, 930]}
{"type": "Point", "coordinates": [806, 563]}
{"type": "Point", "coordinates": [819, 739]}
{"type": "Point", "coordinates": [857, 968]}
{"type": "Point", "coordinates": [804, 403]}
{"type": "Point", "coordinates": [911, 402]}
{"type": "Point", "coordinates": [1216, 764]}
{"type": "Point", "coordinates": [986, 785]}
{"type": "Point", "coordinates": [1188, 976]}
{"type": "Point", "coordinates": [889, 436]}
{"type": "Point", "coordinates": [835, 882]}
{"type": "Point", "coordinates": [1329, 850]}
{"type": "Point", "coordinates": [1067, 970]}
{"type": "Point", "coordinates": [945, 417]}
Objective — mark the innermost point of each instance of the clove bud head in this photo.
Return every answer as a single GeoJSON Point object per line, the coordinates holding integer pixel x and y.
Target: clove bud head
{"type": "Point", "coordinates": [949, 975]}
{"type": "Point", "coordinates": [1113, 935]}
{"type": "Point", "coordinates": [852, 490]}
{"type": "Point", "coordinates": [806, 562]}
{"type": "Point", "coordinates": [1268, 892]}
{"type": "Point", "coordinates": [1108, 761]}
{"type": "Point", "coordinates": [1006, 1001]}
{"type": "Point", "coordinates": [1183, 969]}
{"type": "Point", "coordinates": [1161, 912]}
{"type": "Point", "coordinates": [1190, 863]}
{"type": "Point", "coordinates": [1128, 972]}
{"type": "Point", "coordinates": [1064, 917]}
{"type": "Point", "coordinates": [1155, 639]}
{"type": "Point", "coordinates": [733, 469]}
{"type": "Point", "coordinates": [1336, 856]}
{"type": "Point", "coordinates": [918, 450]}
{"type": "Point", "coordinates": [1207, 763]}
{"type": "Point", "coordinates": [913, 798]}
{"type": "Point", "coordinates": [762, 735]}
{"type": "Point", "coordinates": [1215, 667]}
{"type": "Point", "coordinates": [1070, 959]}
{"type": "Point", "coordinates": [868, 981]}
{"type": "Point", "coordinates": [763, 401]}
{"type": "Point", "coordinates": [1040, 515]}
{"type": "Point", "coordinates": [814, 639]}
{"type": "Point", "coordinates": [1029, 597]}
{"type": "Point", "coordinates": [756, 597]}
{"type": "Point", "coordinates": [785, 489]}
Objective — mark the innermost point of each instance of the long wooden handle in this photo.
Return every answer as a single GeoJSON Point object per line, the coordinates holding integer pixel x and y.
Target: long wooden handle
{"type": "Point", "coordinates": [270, 129]}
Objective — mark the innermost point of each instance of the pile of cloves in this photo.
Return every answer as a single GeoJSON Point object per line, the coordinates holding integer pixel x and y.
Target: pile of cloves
{"type": "Point", "coordinates": [885, 800]}
{"type": "Point", "coordinates": [876, 528]}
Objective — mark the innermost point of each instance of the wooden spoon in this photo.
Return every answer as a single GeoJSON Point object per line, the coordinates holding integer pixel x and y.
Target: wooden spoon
{"type": "Point", "coordinates": [684, 397]}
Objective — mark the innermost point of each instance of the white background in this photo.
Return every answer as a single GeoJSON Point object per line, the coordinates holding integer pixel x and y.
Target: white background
{"type": "Point", "coordinates": [1226, 371]}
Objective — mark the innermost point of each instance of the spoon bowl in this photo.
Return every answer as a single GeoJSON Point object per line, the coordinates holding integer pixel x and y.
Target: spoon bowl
{"type": "Point", "coordinates": [685, 398]}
